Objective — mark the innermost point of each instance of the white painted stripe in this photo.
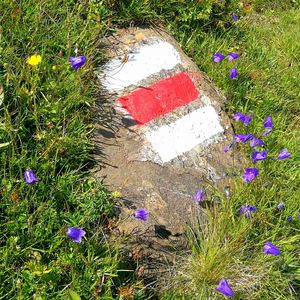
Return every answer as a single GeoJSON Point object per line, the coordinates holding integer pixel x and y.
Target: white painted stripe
{"type": "Point", "coordinates": [147, 60]}
{"type": "Point", "coordinates": [184, 134]}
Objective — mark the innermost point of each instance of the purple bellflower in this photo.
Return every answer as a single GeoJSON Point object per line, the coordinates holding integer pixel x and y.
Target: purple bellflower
{"type": "Point", "coordinates": [268, 125]}
{"type": "Point", "coordinates": [234, 17]}
{"type": "Point", "coordinates": [284, 153]}
{"type": "Point", "coordinates": [233, 73]}
{"type": "Point", "coordinates": [232, 56]}
{"type": "Point", "coordinates": [224, 288]}
{"type": "Point", "coordinates": [199, 195]}
{"type": "Point", "coordinates": [267, 131]}
{"type": "Point", "coordinates": [289, 218]}
{"type": "Point", "coordinates": [75, 234]}
{"type": "Point", "coordinates": [246, 210]}
{"type": "Point", "coordinates": [228, 146]}
{"type": "Point", "coordinates": [256, 142]}
{"type": "Point", "coordinates": [249, 174]}
{"type": "Point", "coordinates": [299, 216]}
{"type": "Point", "coordinates": [218, 57]}
{"type": "Point", "coordinates": [30, 177]}
{"type": "Point", "coordinates": [141, 214]}
{"type": "Point", "coordinates": [268, 122]}
{"type": "Point", "coordinates": [271, 249]}
{"type": "Point", "coordinates": [256, 156]}
{"type": "Point", "coordinates": [247, 120]}
{"type": "Point", "coordinates": [77, 61]}
{"type": "Point", "coordinates": [280, 206]}
{"type": "Point", "coordinates": [239, 117]}
{"type": "Point", "coordinates": [242, 137]}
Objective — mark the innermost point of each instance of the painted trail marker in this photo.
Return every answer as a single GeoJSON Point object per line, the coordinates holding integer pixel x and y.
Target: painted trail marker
{"type": "Point", "coordinates": [143, 62]}
{"type": "Point", "coordinates": [174, 139]}
{"type": "Point", "coordinates": [167, 135]}
{"type": "Point", "coordinates": [147, 103]}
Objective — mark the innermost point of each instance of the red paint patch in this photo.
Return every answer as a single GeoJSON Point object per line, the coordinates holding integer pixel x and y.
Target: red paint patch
{"type": "Point", "coordinates": [146, 104]}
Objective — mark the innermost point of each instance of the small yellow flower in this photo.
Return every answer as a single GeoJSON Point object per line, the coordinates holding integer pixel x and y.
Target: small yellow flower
{"type": "Point", "coordinates": [53, 68]}
{"type": "Point", "coordinates": [34, 60]}
{"type": "Point", "coordinates": [116, 194]}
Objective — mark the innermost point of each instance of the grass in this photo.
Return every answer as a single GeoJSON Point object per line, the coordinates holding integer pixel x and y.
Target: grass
{"type": "Point", "coordinates": [45, 119]}
{"type": "Point", "coordinates": [45, 125]}
{"type": "Point", "coordinates": [231, 246]}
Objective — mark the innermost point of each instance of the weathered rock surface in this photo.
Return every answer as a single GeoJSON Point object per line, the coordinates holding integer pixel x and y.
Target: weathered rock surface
{"type": "Point", "coordinates": [131, 158]}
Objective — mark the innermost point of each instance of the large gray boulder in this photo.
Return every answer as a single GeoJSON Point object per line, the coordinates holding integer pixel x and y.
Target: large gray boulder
{"type": "Point", "coordinates": [157, 154]}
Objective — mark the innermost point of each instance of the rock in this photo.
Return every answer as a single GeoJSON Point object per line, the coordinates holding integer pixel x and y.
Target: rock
{"type": "Point", "coordinates": [163, 137]}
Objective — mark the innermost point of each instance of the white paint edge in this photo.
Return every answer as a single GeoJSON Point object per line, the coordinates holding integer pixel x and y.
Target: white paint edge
{"type": "Point", "coordinates": [147, 60]}
{"type": "Point", "coordinates": [172, 140]}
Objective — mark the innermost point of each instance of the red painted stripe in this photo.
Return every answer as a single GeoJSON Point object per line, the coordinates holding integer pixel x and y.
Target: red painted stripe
{"type": "Point", "coordinates": [145, 104]}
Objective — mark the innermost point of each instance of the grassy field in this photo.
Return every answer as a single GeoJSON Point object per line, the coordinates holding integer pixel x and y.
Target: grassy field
{"type": "Point", "coordinates": [45, 125]}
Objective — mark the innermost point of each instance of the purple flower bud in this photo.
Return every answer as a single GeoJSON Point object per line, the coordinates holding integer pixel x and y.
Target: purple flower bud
{"type": "Point", "coordinates": [247, 209]}
{"type": "Point", "coordinates": [280, 206]}
{"type": "Point", "coordinates": [218, 57]}
{"type": "Point", "coordinates": [267, 131]}
{"type": "Point", "coordinates": [224, 288]}
{"type": "Point", "coordinates": [234, 17]}
{"type": "Point", "coordinates": [141, 214]}
{"type": "Point", "coordinates": [271, 249]}
{"type": "Point", "coordinates": [232, 56]}
{"type": "Point", "coordinates": [227, 192]}
{"type": "Point", "coordinates": [30, 177]}
{"type": "Point", "coordinates": [256, 142]}
{"type": "Point", "coordinates": [75, 234]}
{"type": "Point", "coordinates": [268, 122]}
{"type": "Point", "coordinates": [289, 218]}
{"type": "Point", "coordinates": [284, 153]}
{"type": "Point", "coordinates": [242, 137]}
{"type": "Point", "coordinates": [299, 216]}
{"type": "Point", "coordinates": [228, 146]}
{"type": "Point", "coordinates": [233, 73]}
{"type": "Point", "coordinates": [249, 174]}
{"type": "Point", "coordinates": [247, 120]}
{"type": "Point", "coordinates": [77, 61]}
{"type": "Point", "coordinates": [199, 195]}
{"type": "Point", "coordinates": [256, 156]}
{"type": "Point", "coordinates": [239, 117]}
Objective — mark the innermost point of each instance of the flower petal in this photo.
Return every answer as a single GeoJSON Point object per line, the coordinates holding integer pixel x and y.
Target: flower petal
{"type": "Point", "coordinates": [30, 177]}
{"type": "Point", "coordinates": [232, 56]}
{"type": "Point", "coordinates": [228, 146]}
{"type": "Point", "coordinates": [284, 153]}
{"type": "Point", "coordinates": [268, 122]}
{"type": "Point", "coordinates": [77, 61]}
{"type": "Point", "coordinates": [256, 156]}
{"type": "Point", "coordinates": [247, 120]}
{"type": "Point", "coordinates": [199, 195]}
{"type": "Point", "coordinates": [224, 288]}
{"type": "Point", "coordinates": [239, 117]}
{"type": "Point", "coordinates": [233, 73]}
{"type": "Point", "coordinates": [34, 60]}
{"type": "Point", "coordinates": [249, 174]}
{"type": "Point", "coordinates": [256, 142]}
{"type": "Point", "coordinates": [267, 131]}
{"type": "Point", "coordinates": [218, 57]}
{"type": "Point", "coordinates": [76, 234]}
{"type": "Point", "coordinates": [141, 214]}
{"type": "Point", "coordinates": [271, 249]}
{"type": "Point", "coordinates": [242, 137]}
